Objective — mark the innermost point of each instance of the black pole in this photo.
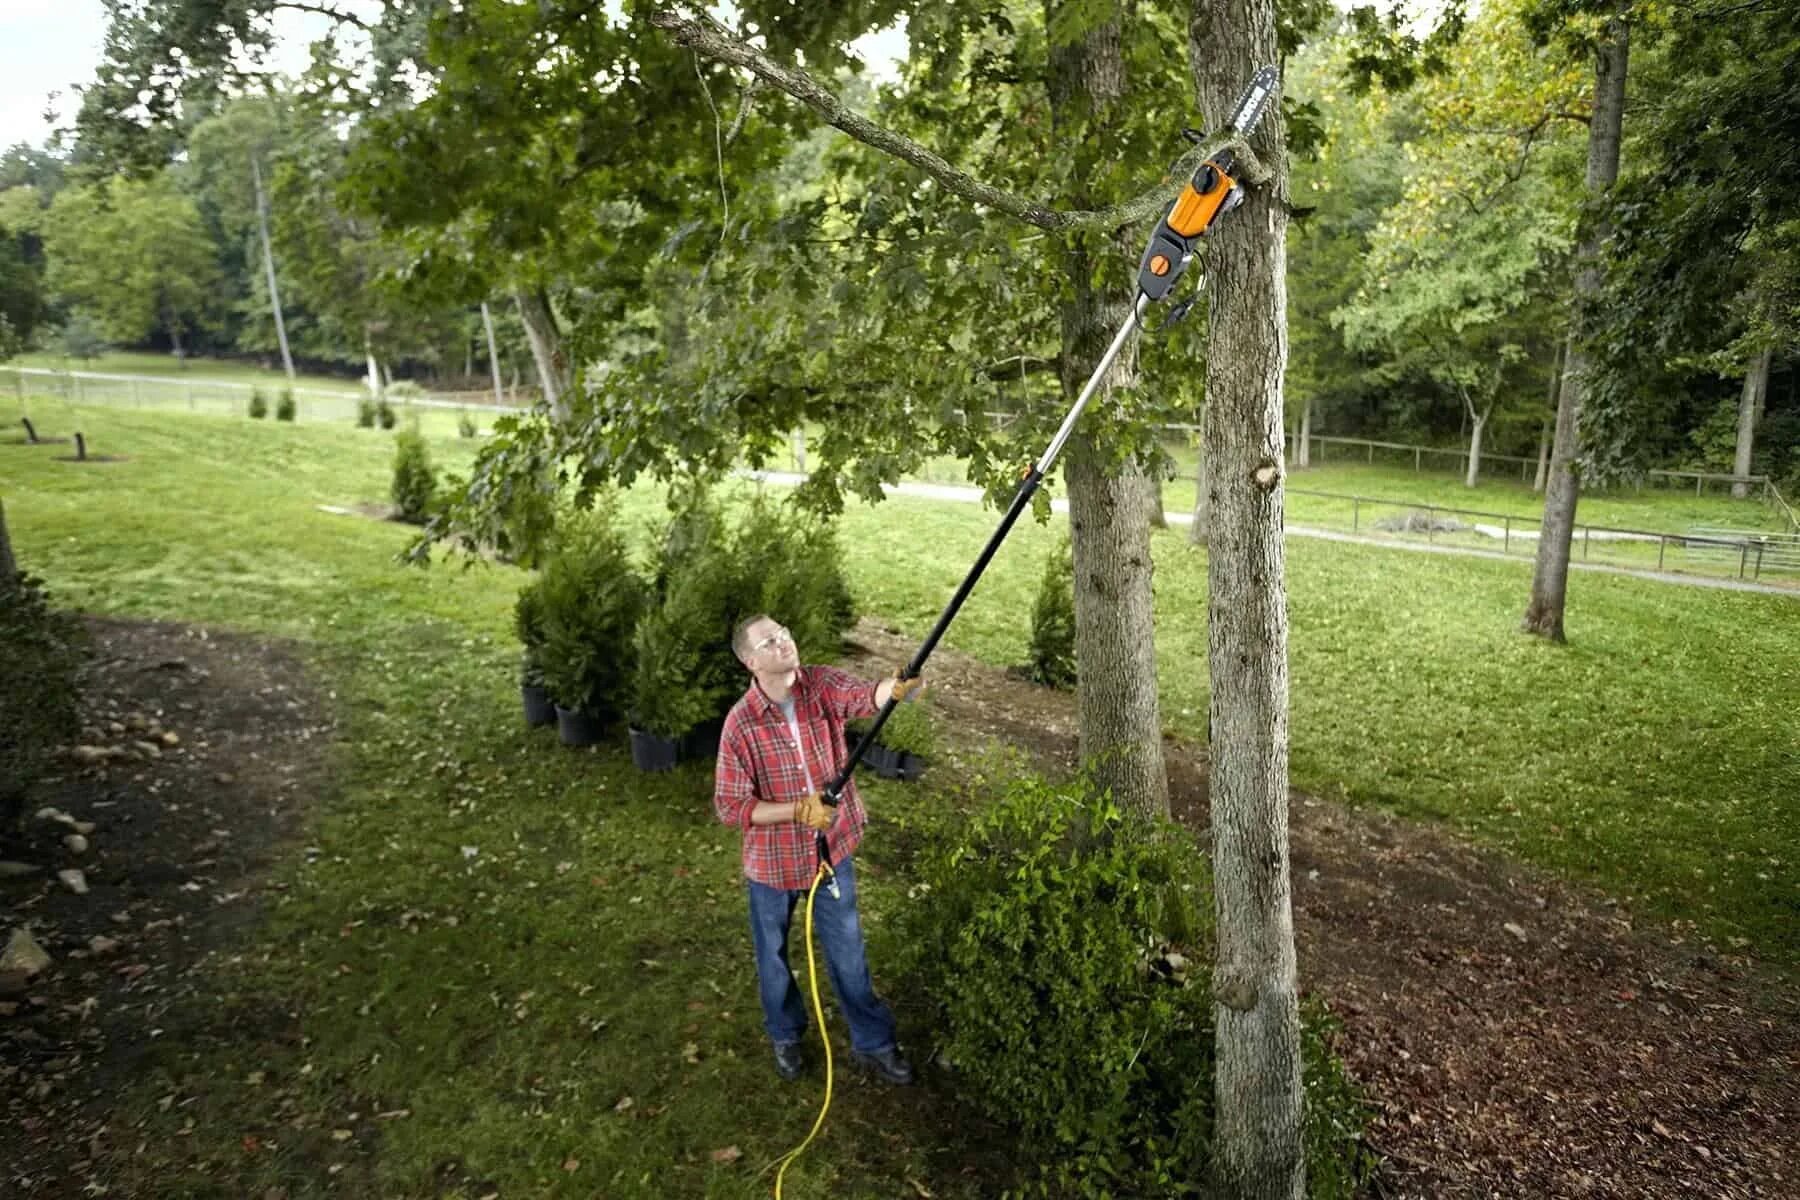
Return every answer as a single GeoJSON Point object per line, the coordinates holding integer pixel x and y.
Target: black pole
{"type": "Point", "coordinates": [1028, 487]}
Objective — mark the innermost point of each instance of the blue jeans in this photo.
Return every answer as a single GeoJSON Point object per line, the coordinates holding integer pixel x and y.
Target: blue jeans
{"type": "Point", "coordinates": [838, 930]}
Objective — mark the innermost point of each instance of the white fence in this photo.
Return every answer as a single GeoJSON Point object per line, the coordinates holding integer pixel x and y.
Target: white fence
{"type": "Point", "coordinates": [224, 397]}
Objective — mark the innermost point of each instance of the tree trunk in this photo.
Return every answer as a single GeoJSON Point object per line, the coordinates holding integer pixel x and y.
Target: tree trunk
{"type": "Point", "coordinates": [1474, 476]}
{"type": "Point", "coordinates": [487, 323]}
{"type": "Point", "coordinates": [9, 566]}
{"type": "Point", "coordinates": [262, 226]}
{"type": "Point", "coordinates": [1153, 499]}
{"type": "Point", "coordinates": [374, 377]}
{"type": "Point", "coordinates": [1543, 463]}
{"type": "Point", "coordinates": [1257, 1151]}
{"type": "Point", "coordinates": [1756, 383]}
{"type": "Point", "coordinates": [1200, 530]}
{"type": "Point", "coordinates": [1550, 578]}
{"type": "Point", "coordinates": [1303, 443]}
{"type": "Point", "coordinates": [1115, 644]}
{"type": "Point", "coordinates": [797, 445]}
{"type": "Point", "coordinates": [545, 337]}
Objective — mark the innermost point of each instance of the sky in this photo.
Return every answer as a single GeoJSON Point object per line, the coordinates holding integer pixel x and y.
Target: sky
{"type": "Point", "coordinates": [51, 45]}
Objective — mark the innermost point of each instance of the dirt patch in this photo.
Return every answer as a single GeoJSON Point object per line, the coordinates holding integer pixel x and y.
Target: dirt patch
{"type": "Point", "coordinates": [202, 751]}
{"type": "Point", "coordinates": [1519, 1036]}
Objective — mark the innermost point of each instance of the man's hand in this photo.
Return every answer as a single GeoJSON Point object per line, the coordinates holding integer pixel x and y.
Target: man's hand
{"type": "Point", "coordinates": [810, 810]}
{"type": "Point", "coordinates": [903, 689]}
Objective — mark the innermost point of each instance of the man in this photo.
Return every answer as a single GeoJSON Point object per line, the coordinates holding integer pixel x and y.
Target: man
{"type": "Point", "coordinates": [782, 745]}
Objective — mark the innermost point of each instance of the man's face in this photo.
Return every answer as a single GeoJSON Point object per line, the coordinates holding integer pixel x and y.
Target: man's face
{"type": "Point", "coordinates": [772, 648]}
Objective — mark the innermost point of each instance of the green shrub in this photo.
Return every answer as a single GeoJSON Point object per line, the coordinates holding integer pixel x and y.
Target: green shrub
{"type": "Point", "coordinates": [909, 730]}
{"type": "Point", "coordinates": [259, 404]}
{"type": "Point", "coordinates": [415, 483]}
{"type": "Point", "coordinates": [365, 413]}
{"type": "Point", "coordinates": [39, 694]}
{"type": "Point", "coordinates": [592, 600]}
{"type": "Point", "coordinates": [1062, 948]}
{"type": "Point", "coordinates": [1053, 621]}
{"type": "Point", "coordinates": [791, 567]}
{"type": "Point", "coordinates": [285, 407]}
{"type": "Point", "coordinates": [384, 413]}
{"type": "Point", "coordinates": [528, 625]}
{"type": "Point", "coordinates": [465, 426]}
{"type": "Point", "coordinates": [687, 671]}
{"type": "Point", "coordinates": [404, 392]}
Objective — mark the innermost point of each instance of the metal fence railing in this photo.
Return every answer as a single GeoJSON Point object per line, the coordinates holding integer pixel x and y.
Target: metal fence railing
{"type": "Point", "coordinates": [1741, 554]}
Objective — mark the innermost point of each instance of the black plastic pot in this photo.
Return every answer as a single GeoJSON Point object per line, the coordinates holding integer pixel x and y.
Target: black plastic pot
{"type": "Point", "coordinates": [652, 753]}
{"type": "Point", "coordinates": [884, 762]}
{"type": "Point", "coordinates": [701, 743]}
{"type": "Point", "coordinates": [538, 709]}
{"type": "Point", "coordinates": [908, 766]}
{"type": "Point", "coordinates": [578, 728]}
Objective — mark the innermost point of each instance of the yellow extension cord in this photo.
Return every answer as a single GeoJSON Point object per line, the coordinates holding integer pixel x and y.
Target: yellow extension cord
{"type": "Point", "coordinates": [812, 972]}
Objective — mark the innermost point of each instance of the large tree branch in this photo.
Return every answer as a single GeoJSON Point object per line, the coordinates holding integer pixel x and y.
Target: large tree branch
{"type": "Point", "coordinates": [325, 10]}
{"type": "Point", "coordinates": [706, 36]}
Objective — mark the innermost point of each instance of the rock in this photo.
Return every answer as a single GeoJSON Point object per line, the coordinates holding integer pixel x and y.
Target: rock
{"type": "Point", "coordinates": [114, 728]}
{"type": "Point", "coordinates": [101, 944]}
{"type": "Point", "coordinates": [13, 983]}
{"type": "Point", "coordinates": [89, 755]}
{"type": "Point", "coordinates": [18, 870]}
{"type": "Point", "coordinates": [82, 827]}
{"type": "Point", "coordinates": [52, 814]}
{"type": "Point", "coordinates": [148, 749]}
{"type": "Point", "coordinates": [74, 880]}
{"type": "Point", "coordinates": [24, 954]}
{"type": "Point", "coordinates": [76, 843]}
{"type": "Point", "coordinates": [225, 777]}
{"type": "Point", "coordinates": [137, 721]}
{"type": "Point", "coordinates": [1516, 930]}
{"type": "Point", "coordinates": [170, 738]}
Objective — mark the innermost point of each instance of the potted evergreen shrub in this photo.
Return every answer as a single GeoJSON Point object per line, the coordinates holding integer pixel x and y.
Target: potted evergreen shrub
{"type": "Point", "coordinates": [592, 600]}
{"type": "Point", "coordinates": [528, 623]}
{"type": "Point", "coordinates": [687, 672]}
{"type": "Point", "coordinates": [668, 701]}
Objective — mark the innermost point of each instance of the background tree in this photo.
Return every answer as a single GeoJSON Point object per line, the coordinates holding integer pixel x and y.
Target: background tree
{"type": "Point", "coordinates": [134, 255]}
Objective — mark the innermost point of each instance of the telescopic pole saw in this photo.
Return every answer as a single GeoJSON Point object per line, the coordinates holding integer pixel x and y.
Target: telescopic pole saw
{"type": "Point", "coordinates": [1210, 194]}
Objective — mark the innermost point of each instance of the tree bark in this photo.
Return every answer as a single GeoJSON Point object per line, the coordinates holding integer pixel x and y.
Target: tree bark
{"type": "Point", "coordinates": [487, 324]}
{"type": "Point", "coordinates": [1303, 443]}
{"type": "Point", "coordinates": [262, 226]}
{"type": "Point", "coordinates": [1257, 1150]}
{"type": "Point", "coordinates": [1550, 578]}
{"type": "Point", "coordinates": [1756, 383]}
{"type": "Point", "coordinates": [1115, 643]}
{"type": "Point", "coordinates": [545, 337]}
{"type": "Point", "coordinates": [1200, 529]}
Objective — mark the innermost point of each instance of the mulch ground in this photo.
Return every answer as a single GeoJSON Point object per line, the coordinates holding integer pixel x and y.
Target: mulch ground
{"type": "Point", "coordinates": [1517, 1036]}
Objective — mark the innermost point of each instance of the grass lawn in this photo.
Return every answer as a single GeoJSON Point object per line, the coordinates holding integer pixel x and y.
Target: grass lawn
{"type": "Point", "coordinates": [597, 931]}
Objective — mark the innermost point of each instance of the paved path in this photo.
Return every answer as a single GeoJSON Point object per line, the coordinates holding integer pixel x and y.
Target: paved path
{"type": "Point", "coordinates": [970, 495]}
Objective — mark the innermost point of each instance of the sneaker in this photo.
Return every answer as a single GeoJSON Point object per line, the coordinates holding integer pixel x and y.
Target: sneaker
{"type": "Point", "coordinates": [886, 1063]}
{"type": "Point", "coordinates": [790, 1062]}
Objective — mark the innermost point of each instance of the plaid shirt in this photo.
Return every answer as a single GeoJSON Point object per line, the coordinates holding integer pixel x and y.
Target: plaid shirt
{"type": "Point", "coordinates": [758, 761]}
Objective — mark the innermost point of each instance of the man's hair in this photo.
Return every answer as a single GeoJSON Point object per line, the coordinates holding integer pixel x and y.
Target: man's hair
{"type": "Point", "coordinates": [740, 637]}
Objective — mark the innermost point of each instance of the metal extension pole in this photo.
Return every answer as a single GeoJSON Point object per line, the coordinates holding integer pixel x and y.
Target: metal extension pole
{"type": "Point", "coordinates": [1028, 487]}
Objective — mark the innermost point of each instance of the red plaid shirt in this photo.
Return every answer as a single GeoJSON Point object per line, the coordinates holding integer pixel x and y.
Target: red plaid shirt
{"type": "Point", "coordinates": [758, 761]}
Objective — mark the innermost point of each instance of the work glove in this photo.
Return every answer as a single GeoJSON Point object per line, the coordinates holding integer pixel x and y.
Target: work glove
{"type": "Point", "coordinates": [906, 689]}
{"type": "Point", "coordinates": [812, 811]}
